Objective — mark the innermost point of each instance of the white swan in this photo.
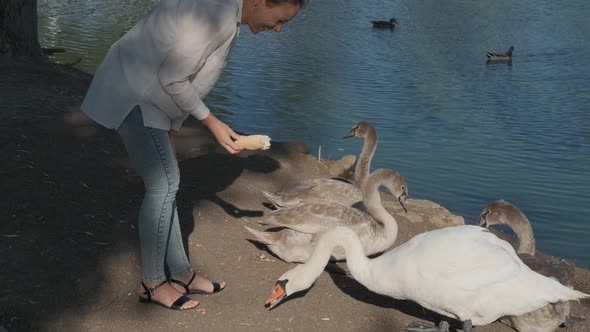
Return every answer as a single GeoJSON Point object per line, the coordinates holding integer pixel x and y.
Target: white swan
{"type": "Point", "coordinates": [463, 272]}
{"type": "Point", "coordinates": [334, 190]}
{"type": "Point", "coordinates": [302, 224]}
{"type": "Point", "coordinates": [552, 315]}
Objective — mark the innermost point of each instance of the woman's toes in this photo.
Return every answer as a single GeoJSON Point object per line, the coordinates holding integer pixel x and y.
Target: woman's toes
{"type": "Point", "coordinates": [190, 304]}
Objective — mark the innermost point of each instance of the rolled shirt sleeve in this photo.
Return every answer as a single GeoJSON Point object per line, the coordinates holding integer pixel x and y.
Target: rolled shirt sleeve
{"type": "Point", "coordinates": [200, 31]}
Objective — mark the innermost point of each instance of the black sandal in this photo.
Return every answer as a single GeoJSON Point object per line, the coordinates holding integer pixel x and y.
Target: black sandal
{"type": "Point", "coordinates": [216, 287]}
{"type": "Point", "coordinates": [177, 305]}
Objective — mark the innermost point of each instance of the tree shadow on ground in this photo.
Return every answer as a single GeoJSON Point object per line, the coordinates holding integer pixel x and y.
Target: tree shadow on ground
{"type": "Point", "coordinates": [69, 229]}
{"type": "Point", "coordinates": [205, 176]}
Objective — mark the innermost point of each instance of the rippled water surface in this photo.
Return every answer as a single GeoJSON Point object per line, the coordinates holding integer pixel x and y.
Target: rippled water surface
{"type": "Point", "coordinates": [462, 132]}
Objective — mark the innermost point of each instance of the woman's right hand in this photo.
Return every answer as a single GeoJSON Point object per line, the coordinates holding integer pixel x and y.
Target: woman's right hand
{"type": "Point", "coordinates": [223, 133]}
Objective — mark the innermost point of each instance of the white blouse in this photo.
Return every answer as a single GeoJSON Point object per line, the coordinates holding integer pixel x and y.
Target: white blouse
{"type": "Point", "coordinates": [167, 63]}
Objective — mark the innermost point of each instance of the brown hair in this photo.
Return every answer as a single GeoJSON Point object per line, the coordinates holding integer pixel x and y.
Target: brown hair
{"type": "Point", "coordinates": [295, 2]}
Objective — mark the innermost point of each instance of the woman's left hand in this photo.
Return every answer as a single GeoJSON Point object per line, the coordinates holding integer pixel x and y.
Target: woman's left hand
{"type": "Point", "coordinates": [223, 133]}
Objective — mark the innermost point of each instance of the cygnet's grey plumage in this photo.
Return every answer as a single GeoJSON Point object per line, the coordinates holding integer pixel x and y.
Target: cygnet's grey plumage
{"type": "Point", "coordinates": [551, 316]}
{"type": "Point", "coordinates": [302, 224]}
{"type": "Point", "coordinates": [334, 190]}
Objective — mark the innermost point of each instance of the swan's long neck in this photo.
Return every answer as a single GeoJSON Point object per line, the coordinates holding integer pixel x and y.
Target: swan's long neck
{"type": "Point", "coordinates": [356, 261]}
{"type": "Point", "coordinates": [372, 201]}
{"type": "Point", "coordinates": [526, 238]}
{"type": "Point", "coordinates": [361, 172]}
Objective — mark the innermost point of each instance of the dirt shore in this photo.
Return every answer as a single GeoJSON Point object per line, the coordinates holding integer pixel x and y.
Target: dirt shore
{"type": "Point", "coordinates": [69, 256]}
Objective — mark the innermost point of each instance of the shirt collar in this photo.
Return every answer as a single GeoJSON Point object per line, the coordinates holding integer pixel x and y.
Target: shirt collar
{"type": "Point", "coordinates": [240, 5]}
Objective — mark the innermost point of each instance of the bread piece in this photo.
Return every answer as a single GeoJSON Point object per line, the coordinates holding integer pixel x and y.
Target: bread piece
{"type": "Point", "coordinates": [254, 142]}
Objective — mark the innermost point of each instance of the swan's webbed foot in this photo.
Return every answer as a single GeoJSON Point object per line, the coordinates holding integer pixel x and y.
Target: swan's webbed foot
{"type": "Point", "coordinates": [338, 268]}
{"type": "Point", "coordinates": [572, 320]}
{"type": "Point", "coordinates": [467, 326]}
{"type": "Point", "coordinates": [427, 327]}
{"type": "Point", "coordinates": [444, 326]}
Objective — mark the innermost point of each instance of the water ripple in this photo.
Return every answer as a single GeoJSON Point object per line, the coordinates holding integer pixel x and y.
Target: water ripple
{"type": "Point", "coordinates": [462, 132]}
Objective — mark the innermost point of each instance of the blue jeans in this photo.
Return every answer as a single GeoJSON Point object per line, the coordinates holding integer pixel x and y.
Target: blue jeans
{"type": "Point", "coordinates": [151, 154]}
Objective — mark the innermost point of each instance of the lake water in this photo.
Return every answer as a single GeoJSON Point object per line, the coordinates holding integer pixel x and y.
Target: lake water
{"type": "Point", "coordinates": [462, 132]}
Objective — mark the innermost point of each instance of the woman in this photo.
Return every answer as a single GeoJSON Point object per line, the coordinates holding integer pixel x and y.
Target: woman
{"type": "Point", "coordinates": [150, 81]}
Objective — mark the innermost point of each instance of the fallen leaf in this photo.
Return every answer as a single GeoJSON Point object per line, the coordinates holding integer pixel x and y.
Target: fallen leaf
{"type": "Point", "coordinates": [262, 257]}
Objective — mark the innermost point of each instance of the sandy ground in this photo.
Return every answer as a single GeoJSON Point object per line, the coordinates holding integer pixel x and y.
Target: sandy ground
{"type": "Point", "coordinates": [69, 256]}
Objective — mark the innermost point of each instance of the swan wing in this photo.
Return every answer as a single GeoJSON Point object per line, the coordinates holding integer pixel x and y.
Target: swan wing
{"type": "Point", "coordinates": [313, 184]}
{"type": "Point", "coordinates": [332, 191]}
{"type": "Point", "coordinates": [320, 191]}
{"type": "Point", "coordinates": [336, 179]}
{"type": "Point", "coordinates": [463, 258]}
{"type": "Point", "coordinates": [467, 272]}
{"type": "Point", "coordinates": [289, 245]}
{"type": "Point", "coordinates": [562, 271]}
{"type": "Point", "coordinates": [337, 190]}
{"type": "Point", "coordinates": [293, 246]}
{"type": "Point", "coordinates": [316, 218]}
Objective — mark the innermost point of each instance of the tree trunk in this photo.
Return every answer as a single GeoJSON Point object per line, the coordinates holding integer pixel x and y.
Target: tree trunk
{"type": "Point", "coordinates": [18, 28]}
